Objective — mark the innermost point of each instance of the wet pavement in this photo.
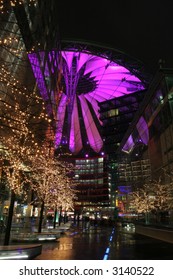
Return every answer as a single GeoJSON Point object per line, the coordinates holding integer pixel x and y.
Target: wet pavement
{"type": "Point", "coordinates": [98, 243]}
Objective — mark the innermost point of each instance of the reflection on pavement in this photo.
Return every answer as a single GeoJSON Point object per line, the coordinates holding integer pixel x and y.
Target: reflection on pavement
{"type": "Point", "coordinates": [99, 243]}
{"type": "Point", "coordinates": [66, 246]}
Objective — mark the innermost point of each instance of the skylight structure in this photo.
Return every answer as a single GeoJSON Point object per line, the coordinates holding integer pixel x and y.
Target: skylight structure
{"type": "Point", "coordinates": [84, 79]}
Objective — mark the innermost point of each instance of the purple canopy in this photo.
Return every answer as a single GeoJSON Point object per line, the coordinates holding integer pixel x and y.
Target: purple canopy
{"type": "Point", "coordinates": [86, 80]}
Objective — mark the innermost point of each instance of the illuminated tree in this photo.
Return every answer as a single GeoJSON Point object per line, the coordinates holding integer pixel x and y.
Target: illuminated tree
{"type": "Point", "coordinates": [142, 201]}
{"type": "Point", "coordinates": [163, 198]}
{"type": "Point", "coordinates": [14, 172]}
{"type": "Point", "coordinates": [53, 184]}
{"type": "Point", "coordinates": [155, 197]}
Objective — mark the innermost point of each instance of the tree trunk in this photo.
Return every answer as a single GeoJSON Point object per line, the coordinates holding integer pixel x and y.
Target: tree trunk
{"type": "Point", "coordinates": [147, 218]}
{"type": "Point", "coordinates": [55, 214]}
{"type": "Point", "coordinates": [41, 217]}
{"type": "Point", "coordinates": [9, 220]}
{"type": "Point", "coordinates": [60, 216]}
{"type": "Point", "coordinates": [158, 217]}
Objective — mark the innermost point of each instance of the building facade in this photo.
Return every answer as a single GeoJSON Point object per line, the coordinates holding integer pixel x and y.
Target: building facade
{"type": "Point", "coordinates": [152, 127]}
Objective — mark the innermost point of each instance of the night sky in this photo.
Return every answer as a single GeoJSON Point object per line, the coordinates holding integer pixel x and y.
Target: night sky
{"type": "Point", "coordinates": [141, 29]}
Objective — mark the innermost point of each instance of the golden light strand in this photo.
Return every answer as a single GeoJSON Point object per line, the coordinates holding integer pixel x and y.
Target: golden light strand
{"type": "Point", "coordinates": [5, 5]}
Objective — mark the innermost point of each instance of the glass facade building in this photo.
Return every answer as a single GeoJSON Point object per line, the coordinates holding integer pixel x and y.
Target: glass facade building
{"type": "Point", "coordinates": [152, 127]}
{"type": "Point", "coordinates": [92, 182]}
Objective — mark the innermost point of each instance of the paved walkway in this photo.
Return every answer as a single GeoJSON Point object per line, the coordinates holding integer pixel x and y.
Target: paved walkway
{"type": "Point", "coordinates": [84, 244]}
{"type": "Point", "coordinates": [98, 243]}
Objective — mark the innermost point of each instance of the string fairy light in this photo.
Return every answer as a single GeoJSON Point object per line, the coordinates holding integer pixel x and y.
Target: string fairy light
{"type": "Point", "coordinates": [6, 5]}
{"type": "Point", "coordinates": [51, 183]}
{"type": "Point", "coordinates": [152, 197]}
{"type": "Point", "coordinates": [11, 44]}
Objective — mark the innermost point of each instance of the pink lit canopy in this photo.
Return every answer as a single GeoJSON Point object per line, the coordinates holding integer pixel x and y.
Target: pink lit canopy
{"type": "Point", "coordinates": [86, 80]}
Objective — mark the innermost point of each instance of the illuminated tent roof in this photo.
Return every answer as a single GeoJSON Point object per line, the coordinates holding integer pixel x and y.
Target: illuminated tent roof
{"type": "Point", "coordinates": [73, 81]}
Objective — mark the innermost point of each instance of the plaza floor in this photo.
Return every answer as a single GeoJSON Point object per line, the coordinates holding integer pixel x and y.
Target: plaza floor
{"type": "Point", "coordinates": [98, 243]}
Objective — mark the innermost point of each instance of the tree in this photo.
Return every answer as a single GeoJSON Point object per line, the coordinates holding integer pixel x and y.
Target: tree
{"type": "Point", "coordinates": [52, 183]}
{"type": "Point", "coordinates": [163, 198]}
{"type": "Point", "coordinates": [142, 201]}
{"type": "Point", "coordinates": [14, 172]}
{"type": "Point", "coordinates": [155, 197]}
